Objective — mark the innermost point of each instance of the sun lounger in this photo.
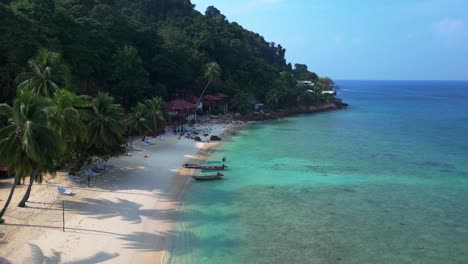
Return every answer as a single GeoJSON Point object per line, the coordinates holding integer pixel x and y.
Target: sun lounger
{"type": "Point", "coordinates": [129, 154]}
{"type": "Point", "coordinates": [146, 143]}
{"type": "Point", "coordinates": [97, 171]}
{"type": "Point", "coordinates": [64, 191]}
{"type": "Point", "coordinates": [74, 178]}
{"type": "Point", "coordinates": [136, 148]}
{"type": "Point", "coordinates": [98, 168]}
{"type": "Point", "coordinates": [91, 173]}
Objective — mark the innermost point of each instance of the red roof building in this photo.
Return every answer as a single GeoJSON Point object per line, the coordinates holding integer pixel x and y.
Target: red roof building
{"type": "Point", "coordinates": [181, 113]}
{"type": "Point", "coordinates": [215, 101]}
{"type": "Point", "coordinates": [3, 170]}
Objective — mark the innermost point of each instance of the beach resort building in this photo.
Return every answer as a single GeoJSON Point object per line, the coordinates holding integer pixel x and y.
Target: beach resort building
{"type": "Point", "coordinates": [255, 103]}
{"type": "Point", "coordinates": [305, 83]}
{"type": "Point", "coordinates": [214, 102]}
{"type": "Point", "coordinates": [181, 112]}
{"type": "Point", "coordinates": [3, 170]}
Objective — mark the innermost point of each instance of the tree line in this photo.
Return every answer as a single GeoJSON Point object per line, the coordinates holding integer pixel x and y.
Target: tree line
{"type": "Point", "coordinates": [78, 77]}
{"type": "Point", "coordinates": [48, 127]}
{"type": "Point", "coordinates": [136, 49]}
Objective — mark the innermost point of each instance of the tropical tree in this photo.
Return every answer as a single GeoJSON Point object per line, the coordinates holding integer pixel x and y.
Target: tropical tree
{"type": "Point", "coordinates": [156, 114]}
{"type": "Point", "coordinates": [47, 72]}
{"type": "Point", "coordinates": [212, 73]}
{"type": "Point", "coordinates": [240, 102]}
{"type": "Point", "coordinates": [104, 130]}
{"type": "Point", "coordinates": [68, 115]}
{"type": "Point", "coordinates": [137, 123]}
{"type": "Point", "coordinates": [273, 98]}
{"type": "Point", "coordinates": [28, 145]}
{"type": "Point", "coordinates": [129, 76]}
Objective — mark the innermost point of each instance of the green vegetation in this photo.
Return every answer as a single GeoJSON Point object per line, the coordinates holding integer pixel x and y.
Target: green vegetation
{"type": "Point", "coordinates": [79, 76]}
{"type": "Point", "coordinates": [138, 49]}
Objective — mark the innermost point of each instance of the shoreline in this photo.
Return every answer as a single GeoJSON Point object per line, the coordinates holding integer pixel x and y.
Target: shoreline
{"type": "Point", "coordinates": [129, 213]}
{"type": "Point", "coordinates": [158, 211]}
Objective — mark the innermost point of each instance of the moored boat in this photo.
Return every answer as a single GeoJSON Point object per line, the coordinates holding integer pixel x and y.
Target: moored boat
{"type": "Point", "coordinates": [217, 176]}
{"type": "Point", "coordinates": [205, 167]}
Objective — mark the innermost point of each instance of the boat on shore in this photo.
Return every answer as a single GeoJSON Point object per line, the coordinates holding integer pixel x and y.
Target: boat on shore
{"type": "Point", "coordinates": [217, 176]}
{"type": "Point", "coordinates": [205, 167]}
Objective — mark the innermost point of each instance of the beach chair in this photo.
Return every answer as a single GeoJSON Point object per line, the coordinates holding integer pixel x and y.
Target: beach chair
{"type": "Point", "coordinates": [91, 173]}
{"type": "Point", "coordinates": [129, 154]}
{"type": "Point", "coordinates": [98, 168]}
{"type": "Point", "coordinates": [149, 142]}
{"type": "Point", "coordinates": [74, 178]}
{"type": "Point", "coordinates": [64, 191]}
{"type": "Point", "coordinates": [136, 148]}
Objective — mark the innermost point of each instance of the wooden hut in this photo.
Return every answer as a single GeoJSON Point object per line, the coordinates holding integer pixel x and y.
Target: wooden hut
{"type": "Point", "coordinates": [181, 113]}
{"type": "Point", "coordinates": [215, 101]}
{"type": "Point", "coordinates": [3, 170]}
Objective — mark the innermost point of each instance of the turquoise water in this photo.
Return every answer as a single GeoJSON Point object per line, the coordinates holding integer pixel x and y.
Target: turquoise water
{"type": "Point", "coordinates": [385, 181]}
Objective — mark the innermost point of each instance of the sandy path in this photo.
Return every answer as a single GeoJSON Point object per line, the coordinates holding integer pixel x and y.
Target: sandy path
{"type": "Point", "coordinates": [126, 220]}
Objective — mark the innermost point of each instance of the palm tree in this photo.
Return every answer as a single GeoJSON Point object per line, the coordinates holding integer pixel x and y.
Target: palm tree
{"type": "Point", "coordinates": [46, 73]}
{"type": "Point", "coordinates": [67, 117]}
{"type": "Point", "coordinates": [67, 113]}
{"type": "Point", "coordinates": [156, 114]}
{"type": "Point", "coordinates": [104, 130]}
{"type": "Point", "coordinates": [10, 196]}
{"type": "Point", "coordinates": [27, 144]}
{"type": "Point", "coordinates": [137, 124]}
{"type": "Point", "coordinates": [212, 73]}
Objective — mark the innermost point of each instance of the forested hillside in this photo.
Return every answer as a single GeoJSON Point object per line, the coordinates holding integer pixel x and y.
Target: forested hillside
{"type": "Point", "coordinates": [138, 48]}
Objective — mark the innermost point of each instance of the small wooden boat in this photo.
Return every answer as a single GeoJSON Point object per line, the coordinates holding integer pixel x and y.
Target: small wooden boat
{"type": "Point", "coordinates": [205, 167]}
{"type": "Point", "coordinates": [217, 176]}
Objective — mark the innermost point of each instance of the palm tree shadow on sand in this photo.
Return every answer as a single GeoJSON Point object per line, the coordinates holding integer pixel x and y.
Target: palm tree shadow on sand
{"type": "Point", "coordinates": [103, 209]}
{"type": "Point", "coordinates": [143, 241]}
{"type": "Point", "coordinates": [37, 256]}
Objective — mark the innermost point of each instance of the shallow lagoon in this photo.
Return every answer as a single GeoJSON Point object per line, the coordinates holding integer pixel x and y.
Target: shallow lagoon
{"type": "Point", "coordinates": [385, 181]}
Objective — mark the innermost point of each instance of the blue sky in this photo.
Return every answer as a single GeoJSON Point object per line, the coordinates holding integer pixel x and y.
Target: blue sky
{"type": "Point", "coordinates": [362, 39]}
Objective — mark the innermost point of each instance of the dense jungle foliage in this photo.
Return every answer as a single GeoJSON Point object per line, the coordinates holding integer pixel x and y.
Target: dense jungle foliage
{"type": "Point", "coordinates": [136, 49]}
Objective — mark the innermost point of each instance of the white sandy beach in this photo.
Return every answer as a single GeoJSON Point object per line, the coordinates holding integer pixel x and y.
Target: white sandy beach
{"type": "Point", "coordinates": [125, 217]}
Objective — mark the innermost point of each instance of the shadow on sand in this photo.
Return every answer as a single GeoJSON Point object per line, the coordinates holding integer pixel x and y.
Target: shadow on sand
{"type": "Point", "coordinates": [36, 255]}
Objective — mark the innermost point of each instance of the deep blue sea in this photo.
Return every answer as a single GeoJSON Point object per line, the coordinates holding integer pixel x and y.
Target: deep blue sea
{"type": "Point", "coordinates": [385, 181]}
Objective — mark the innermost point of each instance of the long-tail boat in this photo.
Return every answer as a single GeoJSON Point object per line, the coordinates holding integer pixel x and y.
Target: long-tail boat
{"type": "Point", "coordinates": [205, 167]}
{"type": "Point", "coordinates": [217, 176]}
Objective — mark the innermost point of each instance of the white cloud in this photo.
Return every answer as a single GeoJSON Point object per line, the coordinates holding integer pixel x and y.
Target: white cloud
{"type": "Point", "coordinates": [451, 30]}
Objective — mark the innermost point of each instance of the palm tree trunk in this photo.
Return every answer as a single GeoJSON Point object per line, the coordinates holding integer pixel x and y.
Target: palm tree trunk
{"type": "Point", "coordinates": [28, 191]}
{"type": "Point", "coordinates": [10, 196]}
{"type": "Point", "coordinates": [199, 99]}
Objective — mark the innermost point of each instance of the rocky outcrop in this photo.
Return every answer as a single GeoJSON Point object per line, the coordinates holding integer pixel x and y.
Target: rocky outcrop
{"type": "Point", "coordinates": [215, 138]}
{"type": "Point", "coordinates": [197, 138]}
{"type": "Point", "coordinates": [336, 104]}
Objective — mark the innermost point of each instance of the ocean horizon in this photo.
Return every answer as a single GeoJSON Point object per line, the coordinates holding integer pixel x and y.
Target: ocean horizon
{"type": "Point", "coordinates": [384, 181]}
